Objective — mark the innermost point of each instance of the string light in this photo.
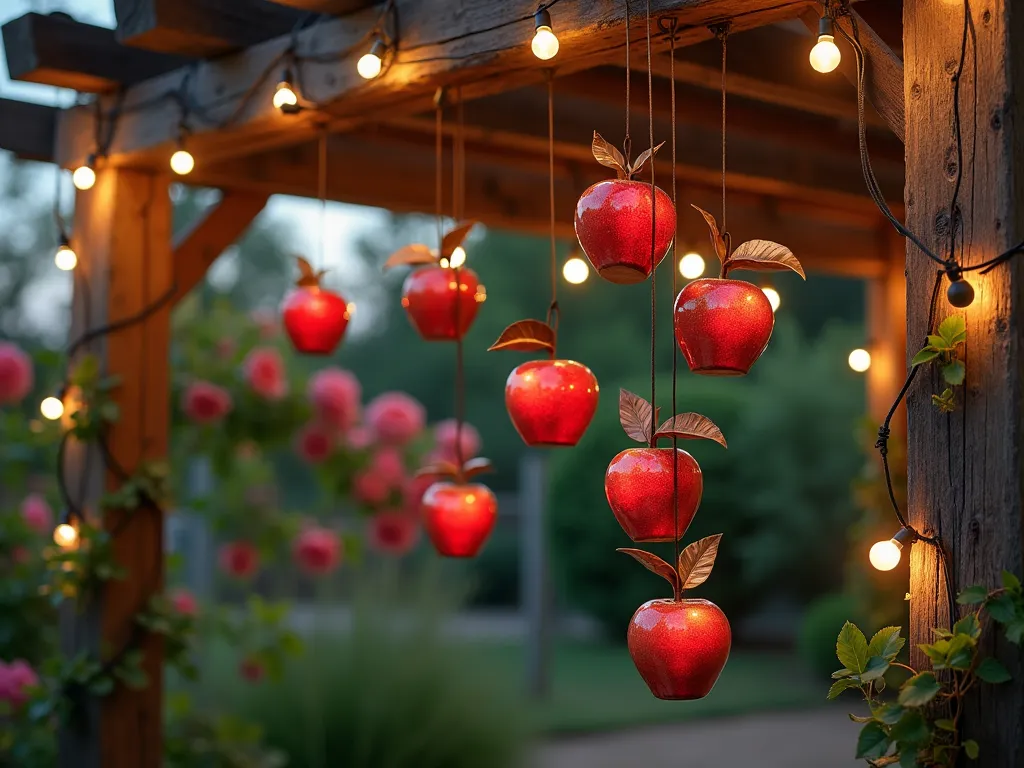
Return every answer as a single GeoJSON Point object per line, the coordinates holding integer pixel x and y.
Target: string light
{"type": "Point", "coordinates": [182, 162]}
{"type": "Point", "coordinates": [885, 555]}
{"type": "Point", "coordinates": [65, 257]}
{"type": "Point", "coordinates": [960, 293]}
{"type": "Point", "coordinates": [859, 360]}
{"type": "Point", "coordinates": [65, 535]}
{"type": "Point", "coordinates": [458, 258]}
{"type": "Point", "coordinates": [370, 64]}
{"type": "Point", "coordinates": [285, 98]}
{"type": "Point", "coordinates": [691, 266]}
{"type": "Point", "coordinates": [575, 270]}
{"type": "Point", "coordinates": [825, 55]}
{"type": "Point", "coordinates": [52, 408]}
{"type": "Point", "coordinates": [773, 297]}
{"type": "Point", "coordinates": [545, 43]}
{"type": "Point", "coordinates": [84, 176]}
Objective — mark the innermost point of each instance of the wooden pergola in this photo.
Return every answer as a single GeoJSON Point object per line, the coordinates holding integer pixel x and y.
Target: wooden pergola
{"type": "Point", "coordinates": [794, 176]}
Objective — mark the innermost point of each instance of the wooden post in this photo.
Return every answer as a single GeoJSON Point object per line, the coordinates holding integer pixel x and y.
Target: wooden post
{"type": "Point", "coordinates": [965, 478]}
{"type": "Point", "coordinates": [886, 327]}
{"type": "Point", "coordinates": [122, 235]}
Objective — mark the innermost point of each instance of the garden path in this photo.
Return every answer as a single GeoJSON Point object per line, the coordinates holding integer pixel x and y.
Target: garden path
{"type": "Point", "coordinates": [820, 738]}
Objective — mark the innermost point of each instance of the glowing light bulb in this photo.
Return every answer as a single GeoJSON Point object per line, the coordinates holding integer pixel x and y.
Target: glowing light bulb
{"type": "Point", "coordinates": [859, 360]}
{"type": "Point", "coordinates": [285, 97]}
{"type": "Point", "coordinates": [885, 555]}
{"type": "Point", "coordinates": [65, 258]}
{"type": "Point", "coordinates": [458, 257]}
{"type": "Point", "coordinates": [84, 177]}
{"type": "Point", "coordinates": [369, 66]}
{"type": "Point", "coordinates": [691, 266]}
{"type": "Point", "coordinates": [65, 536]}
{"type": "Point", "coordinates": [575, 270]}
{"type": "Point", "coordinates": [182, 162]}
{"type": "Point", "coordinates": [773, 297]}
{"type": "Point", "coordinates": [545, 43]}
{"type": "Point", "coordinates": [825, 55]}
{"type": "Point", "coordinates": [51, 408]}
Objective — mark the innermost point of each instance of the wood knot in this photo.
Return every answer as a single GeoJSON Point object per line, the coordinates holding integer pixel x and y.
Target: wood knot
{"type": "Point", "coordinates": [1002, 325]}
{"type": "Point", "coordinates": [997, 120]}
{"type": "Point", "coordinates": [941, 224]}
{"type": "Point", "coordinates": [974, 529]}
{"type": "Point", "coordinates": [950, 66]}
{"type": "Point", "coordinates": [916, 90]}
{"type": "Point", "coordinates": [952, 163]}
{"type": "Point", "coordinates": [986, 17]}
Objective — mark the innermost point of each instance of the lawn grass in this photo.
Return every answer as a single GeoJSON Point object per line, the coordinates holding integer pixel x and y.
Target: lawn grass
{"type": "Point", "coordinates": [597, 688]}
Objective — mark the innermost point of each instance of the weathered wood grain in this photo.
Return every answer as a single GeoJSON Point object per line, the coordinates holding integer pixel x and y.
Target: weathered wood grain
{"type": "Point", "coordinates": [965, 473]}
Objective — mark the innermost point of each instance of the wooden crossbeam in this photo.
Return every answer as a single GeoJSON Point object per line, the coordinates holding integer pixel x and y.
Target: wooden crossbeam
{"type": "Point", "coordinates": [27, 129]}
{"type": "Point", "coordinates": [56, 50]}
{"type": "Point", "coordinates": [335, 7]}
{"type": "Point", "coordinates": [201, 28]}
{"type": "Point", "coordinates": [441, 45]}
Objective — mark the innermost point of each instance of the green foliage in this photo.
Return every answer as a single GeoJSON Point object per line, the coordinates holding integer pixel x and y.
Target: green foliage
{"type": "Point", "coordinates": [943, 349]}
{"type": "Point", "coordinates": [821, 621]}
{"type": "Point", "coordinates": [922, 727]}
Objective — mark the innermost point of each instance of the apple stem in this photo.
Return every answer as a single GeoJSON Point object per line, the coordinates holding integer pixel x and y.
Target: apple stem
{"type": "Point", "coordinates": [677, 591]}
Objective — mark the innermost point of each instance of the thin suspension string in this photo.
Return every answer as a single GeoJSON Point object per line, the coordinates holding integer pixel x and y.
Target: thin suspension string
{"type": "Point", "coordinates": [654, 230]}
{"type": "Point", "coordinates": [671, 27]}
{"type": "Point", "coordinates": [321, 190]}
{"type": "Point", "coordinates": [553, 311]}
{"type": "Point", "coordinates": [458, 206]}
{"type": "Point", "coordinates": [723, 35]}
{"type": "Point", "coordinates": [627, 141]}
{"type": "Point", "coordinates": [438, 162]}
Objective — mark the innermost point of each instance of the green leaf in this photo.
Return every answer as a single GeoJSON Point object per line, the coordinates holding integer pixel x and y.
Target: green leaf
{"type": "Point", "coordinates": [954, 373]}
{"type": "Point", "coordinates": [971, 749]}
{"type": "Point", "coordinates": [841, 673]}
{"type": "Point", "coordinates": [946, 725]}
{"type": "Point", "coordinates": [1002, 608]}
{"type": "Point", "coordinates": [873, 742]}
{"type": "Point", "coordinates": [852, 648]}
{"type": "Point", "coordinates": [908, 758]}
{"type": "Point", "coordinates": [1010, 581]}
{"type": "Point", "coordinates": [936, 652]}
{"type": "Point", "coordinates": [946, 402]}
{"type": "Point", "coordinates": [841, 685]}
{"type": "Point", "coordinates": [875, 668]}
{"type": "Point", "coordinates": [953, 330]}
{"type": "Point", "coordinates": [936, 342]}
{"type": "Point", "coordinates": [926, 355]}
{"type": "Point", "coordinates": [1015, 631]}
{"type": "Point", "coordinates": [886, 643]}
{"type": "Point", "coordinates": [969, 626]}
{"type": "Point", "coordinates": [992, 671]}
{"type": "Point", "coordinates": [859, 718]}
{"type": "Point", "coordinates": [919, 690]}
{"type": "Point", "coordinates": [911, 729]}
{"type": "Point", "coordinates": [890, 714]}
{"type": "Point", "coordinates": [973, 595]}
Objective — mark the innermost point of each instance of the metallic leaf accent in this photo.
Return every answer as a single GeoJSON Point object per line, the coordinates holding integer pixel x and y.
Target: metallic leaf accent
{"type": "Point", "coordinates": [691, 426]}
{"type": "Point", "coordinates": [476, 466]}
{"type": "Point", "coordinates": [635, 416]}
{"type": "Point", "coordinates": [654, 564]}
{"type": "Point", "coordinates": [407, 255]}
{"type": "Point", "coordinates": [525, 336]}
{"type": "Point", "coordinates": [438, 468]}
{"type": "Point", "coordinates": [455, 237]}
{"type": "Point", "coordinates": [641, 161]}
{"type": "Point", "coordinates": [609, 156]}
{"type": "Point", "coordinates": [718, 240]}
{"type": "Point", "coordinates": [308, 277]}
{"type": "Point", "coordinates": [764, 256]}
{"type": "Point", "coordinates": [697, 560]}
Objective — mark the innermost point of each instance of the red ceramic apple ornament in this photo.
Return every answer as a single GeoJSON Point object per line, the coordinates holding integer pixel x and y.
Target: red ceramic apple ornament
{"type": "Point", "coordinates": [459, 515]}
{"type": "Point", "coordinates": [639, 483]}
{"type": "Point", "coordinates": [441, 299]}
{"type": "Point", "coordinates": [550, 402]}
{"type": "Point", "coordinates": [679, 646]}
{"type": "Point", "coordinates": [314, 317]}
{"type": "Point", "coordinates": [613, 219]}
{"type": "Point", "coordinates": [722, 325]}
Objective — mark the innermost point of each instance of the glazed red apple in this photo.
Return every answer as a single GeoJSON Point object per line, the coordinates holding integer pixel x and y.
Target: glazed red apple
{"type": "Point", "coordinates": [679, 647]}
{"type": "Point", "coordinates": [722, 326]}
{"type": "Point", "coordinates": [429, 296]}
{"type": "Point", "coordinates": [639, 487]}
{"type": "Point", "coordinates": [314, 318]}
{"type": "Point", "coordinates": [458, 517]}
{"type": "Point", "coordinates": [551, 402]}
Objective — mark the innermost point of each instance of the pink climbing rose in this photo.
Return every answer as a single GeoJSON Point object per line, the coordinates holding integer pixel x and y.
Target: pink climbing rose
{"type": "Point", "coordinates": [264, 371]}
{"type": "Point", "coordinates": [37, 513]}
{"type": "Point", "coordinates": [314, 443]}
{"type": "Point", "coordinates": [393, 532]}
{"type": "Point", "coordinates": [16, 374]}
{"type": "Point", "coordinates": [369, 488]}
{"type": "Point", "coordinates": [445, 440]}
{"type": "Point", "coordinates": [317, 550]}
{"type": "Point", "coordinates": [16, 679]}
{"type": "Point", "coordinates": [388, 464]}
{"type": "Point", "coordinates": [205, 403]}
{"type": "Point", "coordinates": [251, 669]}
{"type": "Point", "coordinates": [239, 559]}
{"type": "Point", "coordinates": [184, 602]}
{"type": "Point", "coordinates": [335, 395]}
{"type": "Point", "coordinates": [395, 417]}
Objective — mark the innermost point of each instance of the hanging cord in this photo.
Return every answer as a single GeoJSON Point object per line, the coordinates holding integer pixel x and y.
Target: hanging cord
{"type": "Point", "coordinates": [439, 97]}
{"type": "Point", "coordinates": [627, 141]}
{"type": "Point", "coordinates": [954, 207]}
{"type": "Point", "coordinates": [654, 226]}
{"type": "Point", "coordinates": [458, 206]}
{"type": "Point", "coordinates": [721, 31]}
{"type": "Point", "coordinates": [553, 312]}
{"type": "Point", "coordinates": [321, 190]}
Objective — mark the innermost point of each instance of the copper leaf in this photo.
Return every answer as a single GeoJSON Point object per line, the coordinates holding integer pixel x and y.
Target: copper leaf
{"type": "Point", "coordinates": [697, 560]}
{"type": "Point", "coordinates": [308, 277]}
{"type": "Point", "coordinates": [764, 256]}
{"type": "Point", "coordinates": [525, 336]}
{"type": "Point", "coordinates": [691, 426]}
{"type": "Point", "coordinates": [476, 466]}
{"type": "Point", "coordinates": [635, 416]}
{"type": "Point", "coordinates": [416, 253]}
{"type": "Point", "coordinates": [642, 160]}
{"type": "Point", "coordinates": [439, 468]}
{"type": "Point", "coordinates": [454, 239]}
{"type": "Point", "coordinates": [607, 155]}
{"type": "Point", "coordinates": [717, 240]}
{"type": "Point", "coordinates": [654, 564]}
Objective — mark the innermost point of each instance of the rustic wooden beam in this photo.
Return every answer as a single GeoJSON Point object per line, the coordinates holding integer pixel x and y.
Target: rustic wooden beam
{"type": "Point", "coordinates": [964, 468]}
{"type": "Point", "coordinates": [334, 7]}
{"type": "Point", "coordinates": [201, 28]}
{"type": "Point", "coordinates": [56, 50]}
{"type": "Point", "coordinates": [884, 80]}
{"type": "Point", "coordinates": [198, 247]}
{"type": "Point", "coordinates": [481, 61]}
{"type": "Point", "coordinates": [122, 233]}
{"type": "Point", "coordinates": [27, 129]}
